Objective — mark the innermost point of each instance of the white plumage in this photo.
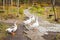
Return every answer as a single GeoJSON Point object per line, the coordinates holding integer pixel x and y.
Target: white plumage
{"type": "Point", "coordinates": [33, 18]}
{"type": "Point", "coordinates": [12, 29]}
{"type": "Point", "coordinates": [27, 12]}
{"type": "Point", "coordinates": [27, 21]}
{"type": "Point", "coordinates": [36, 24]}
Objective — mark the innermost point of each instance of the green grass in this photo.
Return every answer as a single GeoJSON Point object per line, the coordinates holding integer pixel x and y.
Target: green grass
{"type": "Point", "coordinates": [3, 33]}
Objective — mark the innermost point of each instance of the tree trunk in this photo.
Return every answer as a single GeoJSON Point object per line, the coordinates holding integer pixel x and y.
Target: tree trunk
{"type": "Point", "coordinates": [53, 6]}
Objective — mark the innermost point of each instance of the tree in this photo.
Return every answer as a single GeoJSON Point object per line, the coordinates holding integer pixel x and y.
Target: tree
{"type": "Point", "coordinates": [53, 6]}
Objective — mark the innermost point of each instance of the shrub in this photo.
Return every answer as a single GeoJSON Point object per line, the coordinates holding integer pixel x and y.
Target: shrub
{"type": "Point", "coordinates": [38, 10]}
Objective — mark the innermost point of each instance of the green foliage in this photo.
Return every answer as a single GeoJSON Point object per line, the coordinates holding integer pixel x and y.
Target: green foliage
{"type": "Point", "coordinates": [21, 10]}
{"type": "Point", "coordinates": [13, 10]}
{"type": "Point", "coordinates": [40, 10]}
{"type": "Point", "coordinates": [33, 10]}
{"type": "Point", "coordinates": [37, 9]}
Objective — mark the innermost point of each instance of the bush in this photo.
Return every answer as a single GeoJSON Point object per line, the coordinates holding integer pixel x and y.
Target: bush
{"type": "Point", "coordinates": [21, 10]}
{"type": "Point", "coordinates": [38, 10]}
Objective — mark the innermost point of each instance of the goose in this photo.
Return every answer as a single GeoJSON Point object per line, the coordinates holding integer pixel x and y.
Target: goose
{"type": "Point", "coordinates": [27, 21]}
{"type": "Point", "coordinates": [36, 24]}
{"type": "Point", "coordinates": [33, 18]}
{"type": "Point", "coordinates": [27, 12]}
{"type": "Point", "coordinates": [12, 29]}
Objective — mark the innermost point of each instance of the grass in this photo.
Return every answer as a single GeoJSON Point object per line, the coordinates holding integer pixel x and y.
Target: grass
{"type": "Point", "coordinates": [3, 33]}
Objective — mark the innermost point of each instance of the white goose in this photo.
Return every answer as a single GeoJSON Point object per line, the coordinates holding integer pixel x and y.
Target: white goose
{"type": "Point", "coordinates": [12, 29]}
{"type": "Point", "coordinates": [33, 18]}
{"type": "Point", "coordinates": [27, 21]}
{"type": "Point", "coordinates": [27, 12]}
{"type": "Point", "coordinates": [36, 24]}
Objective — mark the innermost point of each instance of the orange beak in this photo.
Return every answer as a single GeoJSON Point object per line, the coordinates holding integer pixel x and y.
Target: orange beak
{"type": "Point", "coordinates": [13, 33]}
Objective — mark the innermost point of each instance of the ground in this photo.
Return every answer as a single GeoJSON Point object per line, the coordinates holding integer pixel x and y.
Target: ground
{"type": "Point", "coordinates": [19, 33]}
{"type": "Point", "coordinates": [34, 34]}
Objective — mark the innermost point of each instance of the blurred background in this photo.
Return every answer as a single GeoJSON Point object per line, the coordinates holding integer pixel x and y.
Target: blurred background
{"type": "Point", "coordinates": [49, 9]}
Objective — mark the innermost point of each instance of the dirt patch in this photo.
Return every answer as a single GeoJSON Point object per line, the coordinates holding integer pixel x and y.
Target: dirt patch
{"type": "Point", "coordinates": [19, 34]}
